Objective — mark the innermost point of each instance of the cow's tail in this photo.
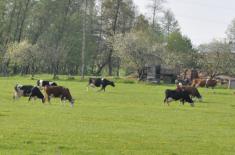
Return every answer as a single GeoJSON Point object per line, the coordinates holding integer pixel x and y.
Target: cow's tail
{"type": "Point", "coordinates": [15, 91]}
{"type": "Point", "coordinates": [89, 82]}
{"type": "Point", "coordinates": [166, 96]}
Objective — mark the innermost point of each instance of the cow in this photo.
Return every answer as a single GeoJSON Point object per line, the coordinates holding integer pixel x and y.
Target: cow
{"type": "Point", "coordinates": [27, 91]}
{"type": "Point", "coordinates": [204, 83]}
{"type": "Point", "coordinates": [183, 96]}
{"type": "Point", "coordinates": [59, 92]}
{"type": "Point", "coordinates": [22, 90]}
{"type": "Point", "coordinates": [99, 82]}
{"type": "Point", "coordinates": [198, 83]}
{"type": "Point", "coordinates": [43, 83]}
{"type": "Point", "coordinates": [36, 93]}
{"type": "Point", "coordinates": [193, 92]}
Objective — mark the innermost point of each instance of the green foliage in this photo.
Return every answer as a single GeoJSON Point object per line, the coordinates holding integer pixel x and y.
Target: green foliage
{"type": "Point", "coordinates": [178, 43]}
{"type": "Point", "coordinates": [180, 51]}
{"type": "Point", "coordinates": [54, 33]}
{"type": "Point", "coordinates": [217, 58]}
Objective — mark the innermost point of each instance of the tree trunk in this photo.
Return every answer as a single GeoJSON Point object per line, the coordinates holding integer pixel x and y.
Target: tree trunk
{"type": "Point", "coordinates": [23, 20]}
{"type": "Point", "coordinates": [100, 68]}
{"type": "Point", "coordinates": [17, 22]}
{"type": "Point", "coordinates": [154, 13]}
{"type": "Point", "coordinates": [114, 28]}
{"type": "Point", "coordinates": [10, 24]}
{"type": "Point", "coordinates": [83, 39]}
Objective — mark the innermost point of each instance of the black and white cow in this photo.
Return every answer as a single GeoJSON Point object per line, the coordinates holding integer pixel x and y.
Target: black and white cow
{"type": "Point", "coordinates": [43, 83]}
{"type": "Point", "coordinates": [183, 96]}
{"type": "Point", "coordinates": [99, 82]}
{"type": "Point", "coordinates": [22, 90]}
{"type": "Point", "coordinates": [27, 91]}
{"type": "Point", "coordinates": [36, 93]}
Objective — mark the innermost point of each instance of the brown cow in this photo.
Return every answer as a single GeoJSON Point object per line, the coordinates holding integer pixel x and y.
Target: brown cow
{"type": "Point", "coordinates": [58, 91]}
{"type": "Point", "coordinates": [193, 92]}
{"type": "Point", "coordinates": [204, 83]}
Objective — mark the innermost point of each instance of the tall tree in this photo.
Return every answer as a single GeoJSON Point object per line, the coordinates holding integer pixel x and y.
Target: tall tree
{"type": "Point", "coordinates": [169, 23]}
{"type": "Point", "coordinates": [231, 34]}
{"type": "Point", "coordinates": [156, 7]}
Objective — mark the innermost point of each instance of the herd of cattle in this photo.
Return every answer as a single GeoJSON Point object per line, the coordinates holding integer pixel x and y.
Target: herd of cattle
{"type": "Point", "coordinates": [183, 92]}
{"type": "Point", "coordinates": [51, 89]}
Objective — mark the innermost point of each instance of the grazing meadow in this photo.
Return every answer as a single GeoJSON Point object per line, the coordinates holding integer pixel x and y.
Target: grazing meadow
{"type": "Point", "coordinates": [127, 119]}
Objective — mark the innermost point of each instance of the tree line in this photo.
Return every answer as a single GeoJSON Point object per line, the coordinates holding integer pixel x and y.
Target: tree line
{"type": "Point", "coordinates": [96, 37]}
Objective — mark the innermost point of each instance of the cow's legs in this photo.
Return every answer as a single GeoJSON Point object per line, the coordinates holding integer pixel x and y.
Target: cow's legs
{"type": "Point", "coordinates": [34, 98]}
{"type": "Point", "coordinates": [166, 101]}
{"type": "Point", "coordinates": [87, 87]}
{"type": "Point", "coordinates": [90, 85]}
{"type": "Point", "coordinates": [182, 101]}
{"type": "Point", "coordinates": [16, 96]}
{"type": "Point", "coordinates": [29, 98]}
{"type": "Point", "coordinates": [102, 88]}
{"type": "Point", "coordinates": [63, 100]}
{"type": "Point", "coordinates": [49, 99]}
{"type": "Point", "coordinates": [192, 104]}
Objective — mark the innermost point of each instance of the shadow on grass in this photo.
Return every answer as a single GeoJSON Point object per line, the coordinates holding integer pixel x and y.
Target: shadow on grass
{"type": "Point", "coordinates": [3, 115]}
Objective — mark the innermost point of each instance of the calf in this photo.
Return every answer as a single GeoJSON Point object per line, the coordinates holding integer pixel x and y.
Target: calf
{"type": "Point", "coordinates": [97, 82]}
{"type": "Point", "coordinates": [43, 83]}
{"type": "Point", "coordinates": [22, 90]}
{"type": "Point", "coordinates": [35, 92]}
{"type": "Point", "coordinates": [58, 91]}
{"type": "Point", "coordinates": [177, 95]}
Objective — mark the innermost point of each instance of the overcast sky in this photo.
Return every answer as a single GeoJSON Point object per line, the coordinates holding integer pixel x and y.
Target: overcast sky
{"type": "Point", "coordinates": [202, 20]}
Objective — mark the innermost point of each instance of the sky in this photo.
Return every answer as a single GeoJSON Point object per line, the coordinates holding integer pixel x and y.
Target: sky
{"type": "Point", "coordinates": [202, 21]}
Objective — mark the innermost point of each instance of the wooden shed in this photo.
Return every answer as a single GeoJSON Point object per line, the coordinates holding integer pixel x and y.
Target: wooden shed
{"type": "Point", "coordinates": [231, 84]}
{"type": "Point", "coordinates": [156, 73]}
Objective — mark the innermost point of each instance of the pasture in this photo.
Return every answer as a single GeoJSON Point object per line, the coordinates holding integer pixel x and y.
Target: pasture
{"type": "Point", "coordinates": [127, 119]}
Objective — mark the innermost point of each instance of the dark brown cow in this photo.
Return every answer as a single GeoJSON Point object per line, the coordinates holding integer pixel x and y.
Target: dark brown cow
{"type": "Point", "coordinates": [204, 83]}
{"type": "Point", "coordinates": [58, 91]}
{"type": "Point", "coordinates": [193, 92]}
{"type": "Point", "coordinates": [183, 96]}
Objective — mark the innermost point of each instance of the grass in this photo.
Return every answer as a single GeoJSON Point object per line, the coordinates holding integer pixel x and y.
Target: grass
{"type": "Point", "coordinates": [127, 119]}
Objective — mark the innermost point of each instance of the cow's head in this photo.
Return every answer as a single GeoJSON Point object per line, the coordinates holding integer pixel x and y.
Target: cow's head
{"type": "Point", "coordinates": [72, 102]}
{"type": "Point", "coordinates": [196, 93]}
{"type": "Point", "coordinates": [189, 100]}
{"type": "Point", "coordinates": [112, 84]}
{"type": "Point", "coordinates": [43, 100]}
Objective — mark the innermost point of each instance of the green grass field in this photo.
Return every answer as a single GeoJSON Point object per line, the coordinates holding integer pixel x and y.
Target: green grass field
{"type": "Point", "coordinates": [128, 119]}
